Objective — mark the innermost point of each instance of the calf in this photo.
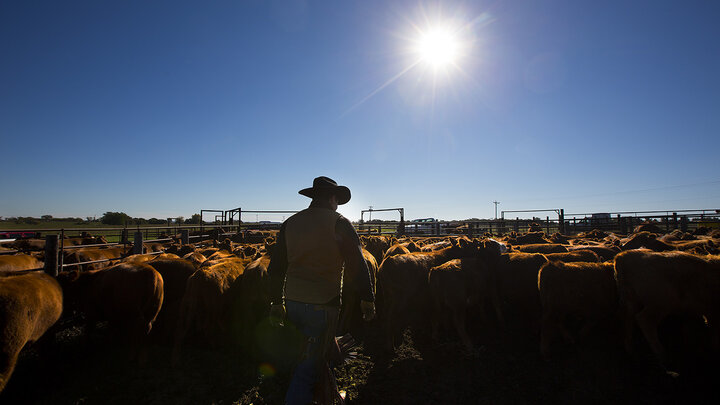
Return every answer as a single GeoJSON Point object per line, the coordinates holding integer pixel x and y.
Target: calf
{"type": "Point", "coordinates": [579, 290]}
{"type": "Point", "coordinates": [29, 305]}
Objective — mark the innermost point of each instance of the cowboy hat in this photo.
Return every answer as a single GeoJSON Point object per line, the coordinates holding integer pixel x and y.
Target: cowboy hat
{"type": "Point", "coordinates": [323, 183]}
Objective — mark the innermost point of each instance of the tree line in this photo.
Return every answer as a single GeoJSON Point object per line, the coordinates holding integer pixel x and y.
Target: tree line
{"type": "Point", "coordinates": [108, 218]}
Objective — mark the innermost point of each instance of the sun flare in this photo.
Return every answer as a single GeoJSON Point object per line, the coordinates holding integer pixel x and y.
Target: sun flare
{"type": "Point", "coordinates": [438, 47]}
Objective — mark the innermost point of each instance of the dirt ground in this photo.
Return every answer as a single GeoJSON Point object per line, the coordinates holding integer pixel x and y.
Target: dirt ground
{"type": "Point", "coordinates": [502, 370]}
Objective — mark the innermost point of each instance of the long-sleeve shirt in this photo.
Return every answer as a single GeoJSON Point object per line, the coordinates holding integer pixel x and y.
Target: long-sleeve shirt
{"type": "Point", "coordinates": [356, 274]}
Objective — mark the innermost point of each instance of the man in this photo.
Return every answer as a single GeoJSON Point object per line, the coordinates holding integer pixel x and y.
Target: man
{"type": "Point", "coordinates": [312, 249]}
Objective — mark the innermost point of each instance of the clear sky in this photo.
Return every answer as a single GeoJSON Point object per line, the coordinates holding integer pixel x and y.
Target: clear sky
{"type": "Point", "coordinates": [163, 108]}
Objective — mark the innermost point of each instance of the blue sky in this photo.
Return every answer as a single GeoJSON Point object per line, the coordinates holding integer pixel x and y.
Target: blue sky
{"type": "Point", "coordinates": [163, 108]}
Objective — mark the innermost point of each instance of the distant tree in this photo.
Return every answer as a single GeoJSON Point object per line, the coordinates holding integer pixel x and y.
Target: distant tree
{"type": "Point", "coordinates": [115, 218]}
{"type": "Point", "coordinates": [195, 219]}
{"type": "Point", "coordinates": [26, 220]}
{"type": "Point", "coordinates": [156, 221]}
{"type": "Point", "coordinates": [46, 217]}
{"type": "Point", "coordinates": [140, 221]}
{"type": "Point", "coordinates": [179, 220]}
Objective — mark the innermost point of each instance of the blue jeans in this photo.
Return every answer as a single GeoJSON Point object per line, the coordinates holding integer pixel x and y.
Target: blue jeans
{"type": "Point", "coordinates": [312, 321]}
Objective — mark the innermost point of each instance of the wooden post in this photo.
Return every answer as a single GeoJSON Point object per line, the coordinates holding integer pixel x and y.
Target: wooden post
{"type": "Point", "coordinates": [185, 237]}
{"type": "Point", "coordinates": [516, 227]}
{"type": "Point", "coordinates": [623, 225]}
{"type": "Point", "coordinates": [51, 255]}
{"type": "Point", "coordinates": [684, 223]}
{"type": "Point", "coordinates": [561, 218]}
{"type": "Point", "coordinates": [675, 220]}
{"type": "Point", "coordinates": [437, 228]}
{"type": "Point", "coordinates": [138, 245]}
{"type": "Point", "coordinates": [547, 224]}
{"type": "Point", "coordinates": [215, 233]}
{"type": "Point", "coordinates": [124, 236]}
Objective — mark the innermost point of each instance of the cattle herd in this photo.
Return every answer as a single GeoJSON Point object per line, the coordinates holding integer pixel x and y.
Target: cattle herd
{"type": "Point", "coordinates": [554, 289]}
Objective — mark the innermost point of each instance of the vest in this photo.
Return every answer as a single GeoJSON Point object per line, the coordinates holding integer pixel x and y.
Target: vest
{"type": "Point", "coordinates": [315, 263]}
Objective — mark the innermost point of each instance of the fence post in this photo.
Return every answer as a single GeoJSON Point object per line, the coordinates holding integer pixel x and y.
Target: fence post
{"type": "Point", "coordinates": [675, 221]}
{"type": "Point", "coordinates": [516, 226]}
{"type": "Point", "coordinates": [215, 233]}
{"type": "Point", "coordinates": [185, 237]}
{"type": "Point", "coordinates": [437, 228]}
{"type": "Point", "coordinates": [547, 222]}
{"type": "Point", "coordinates": [51, 255]}
{"type": "Point", "coordinates": [684, 223]}
{"type": "Point", "coordinates": [138, 245]}
{"type": "Point", "coordinates": [623, 224]}
{"type": "Point", "coordinates": [561, 217]}
{"type": "Point", "coordinates": [124, 236]}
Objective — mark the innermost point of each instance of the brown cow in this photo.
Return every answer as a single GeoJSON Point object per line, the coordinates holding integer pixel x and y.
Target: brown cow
{"type": "Point", "coordinates": [175, 273]}
{"type": "Point", "coordinates": [202, 307]}
{"type": "Point", "coordinates": [457, 283]}
{"type": "Point", "coordinates": [29, 305]}
{"type": "Point", "coordinates": [248, 301]}
{"type": "Point", "coordinates": [531, 238]}
{"type": "Point", "coordinates": [19, 262]}
{"type": "Point", "coordinates": [541, 248]}
{"type": "Point", "coordinates": [143, 258]}
{"type": "Point", "coordinates": [579, 255]}
{"type": "Point", "coordinates": [578, 290]}
{"type": "Point", "coordinates": [196, 258]}
{"type": "Point", "coordinates": [110, 255]}
{"type": "Point", "coordinates": [350, 312]}
{"type": "Point", "coordinates": [378, 245]}
{"type": "Point", "coordinates": [654, 285]}
{"type": "Point", "coordinates": [128, 296]}
{"type": "Point", "coordinates": [650, 241]}
{"type": "Point", "coordinates": [29, 245]}
{"type": "Point", "coordinates": [404, 277]}
{"type": "Point", "coordinates": [605, 252]}
{"type": "Point", "coordinates": [517, 288]}
{"type": "Point", "coordinates": [398, 249]}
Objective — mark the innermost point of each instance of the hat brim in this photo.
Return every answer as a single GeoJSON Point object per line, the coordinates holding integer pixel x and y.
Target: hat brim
{"type": "Point", "coordinates": [341, 192]}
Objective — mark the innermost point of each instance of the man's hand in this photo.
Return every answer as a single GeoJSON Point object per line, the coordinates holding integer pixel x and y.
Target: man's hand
{"type": "Point", "coordinates": [368, 310]}
{"type": "Point", "coordinates": [277, 314]}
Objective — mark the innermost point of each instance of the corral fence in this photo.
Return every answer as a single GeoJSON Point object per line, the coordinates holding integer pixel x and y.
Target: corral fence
{"type": "Point", "coordinates": [230, 222]}
{"type": "Point", "coordinates": [55, 247]}
{"type": "Point", "coordinates": [568, 224]}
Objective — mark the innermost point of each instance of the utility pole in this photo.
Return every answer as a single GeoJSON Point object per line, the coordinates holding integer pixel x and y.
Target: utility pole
{"type": "Point", "coordinates": [496, 204]}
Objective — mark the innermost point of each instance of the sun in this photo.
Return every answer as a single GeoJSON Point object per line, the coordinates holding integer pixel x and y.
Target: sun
{"type": "Point", "coordinates": [438, 47]}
